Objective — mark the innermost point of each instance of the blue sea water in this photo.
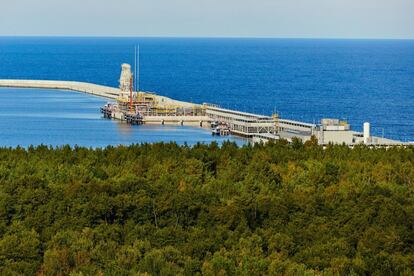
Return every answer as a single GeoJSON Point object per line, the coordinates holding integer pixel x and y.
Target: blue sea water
{"type": "Point", "coordinates": [356, 80]}
{"type": "Point", "coordinates": [49, 117]}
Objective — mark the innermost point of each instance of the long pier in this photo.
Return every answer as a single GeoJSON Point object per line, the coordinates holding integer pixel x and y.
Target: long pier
{"type": "Point", "coordinates": [84, 87]}
{"type": "Point", "coordinates": [88, 88]}
{"type": "Point", "coordinates": [253, 126]}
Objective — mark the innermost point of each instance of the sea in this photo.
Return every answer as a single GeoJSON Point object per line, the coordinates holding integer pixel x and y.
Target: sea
{"type": "Point", "coordinates": [301, 79]}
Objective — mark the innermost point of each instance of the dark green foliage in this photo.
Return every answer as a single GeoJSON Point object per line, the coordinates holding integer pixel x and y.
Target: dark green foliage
{"type": "Point", "coordinates": [162, 209]}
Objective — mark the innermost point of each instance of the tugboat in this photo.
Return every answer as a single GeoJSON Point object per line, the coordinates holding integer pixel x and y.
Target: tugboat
{"type": "Point", "coordinates": [215, 131]}
{"type": "Point", "coordinates": [215, 124]}
{"type": "Point", "coordinates": [220, 129]}
{"type": "Point", "coordinates": [224, 130]}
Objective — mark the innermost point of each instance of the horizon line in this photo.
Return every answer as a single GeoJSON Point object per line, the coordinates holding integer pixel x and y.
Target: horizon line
{"type": "Point", "coordinates": [206, 37]}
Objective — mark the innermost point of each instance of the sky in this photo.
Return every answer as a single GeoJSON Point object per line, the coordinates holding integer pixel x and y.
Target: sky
{"type": "Point", "coordinates": [209, 18]}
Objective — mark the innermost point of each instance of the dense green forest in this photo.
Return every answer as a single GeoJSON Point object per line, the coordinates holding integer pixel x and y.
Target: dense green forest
{"type": "Point", "coordinates": [163, 209]}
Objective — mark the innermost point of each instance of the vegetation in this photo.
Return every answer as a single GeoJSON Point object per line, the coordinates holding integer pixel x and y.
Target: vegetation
{"type": "Point", "coordinates": [162, 209]}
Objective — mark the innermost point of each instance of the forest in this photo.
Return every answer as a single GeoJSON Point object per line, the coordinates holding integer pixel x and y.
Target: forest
{"type": "Point", "coordinates": [165, 209]}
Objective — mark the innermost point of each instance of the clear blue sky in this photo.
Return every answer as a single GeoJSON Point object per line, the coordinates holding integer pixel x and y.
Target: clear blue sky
{"type": "Point", "coordinates": [235, 18]}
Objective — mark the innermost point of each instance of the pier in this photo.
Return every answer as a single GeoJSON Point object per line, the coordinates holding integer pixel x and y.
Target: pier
{"type": "Point", "coordinates": [88, 88]}
{"type": "Point", "coordinates": [137, 108]}
{"type": "Point", "coordinates": [102, 91]}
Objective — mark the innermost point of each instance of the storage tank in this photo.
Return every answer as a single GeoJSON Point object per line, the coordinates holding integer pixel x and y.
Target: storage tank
{"type": "Point", "coordinates": [367, 133]}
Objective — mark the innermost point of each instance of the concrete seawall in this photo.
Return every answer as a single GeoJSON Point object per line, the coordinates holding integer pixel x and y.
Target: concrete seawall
{"type": "Point", "coordinates": [89, 88]}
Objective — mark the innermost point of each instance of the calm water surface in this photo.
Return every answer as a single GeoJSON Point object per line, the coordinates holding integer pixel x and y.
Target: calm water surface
{"type": "Point", "coordinates": [50, 117]}
{"type": "Point", "coordinates": [355, 80]}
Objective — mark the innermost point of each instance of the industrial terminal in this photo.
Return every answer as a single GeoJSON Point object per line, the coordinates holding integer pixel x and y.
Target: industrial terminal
{"type": "Point", "coordinates": [132, 106]}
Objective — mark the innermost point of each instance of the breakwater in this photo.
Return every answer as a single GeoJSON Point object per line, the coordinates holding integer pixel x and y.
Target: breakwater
{"type": "Point", "coordinates": [149, 108]}
{"type": "Point", "coordinates": [88, 88]}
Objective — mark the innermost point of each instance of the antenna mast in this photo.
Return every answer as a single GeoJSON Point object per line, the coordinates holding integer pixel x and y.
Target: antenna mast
{"type": "Point", "coordinates": [135, 69]}
{"type": "Point", "coordinates": [138, 69]}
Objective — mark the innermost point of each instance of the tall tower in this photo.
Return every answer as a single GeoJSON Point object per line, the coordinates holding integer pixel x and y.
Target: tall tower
{"type": "Point", "coordinates": [367, 133]}
{"type": "Point", "coordinates": [125, 80]}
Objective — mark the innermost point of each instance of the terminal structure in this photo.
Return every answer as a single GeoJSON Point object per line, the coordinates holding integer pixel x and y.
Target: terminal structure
{"type": "Point", "coordinates": [137, 107]}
